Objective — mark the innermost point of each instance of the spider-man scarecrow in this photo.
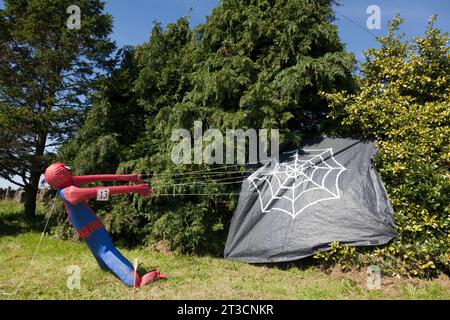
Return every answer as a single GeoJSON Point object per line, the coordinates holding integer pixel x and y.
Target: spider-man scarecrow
{"type": "Point", "coordinates": [85, 221]}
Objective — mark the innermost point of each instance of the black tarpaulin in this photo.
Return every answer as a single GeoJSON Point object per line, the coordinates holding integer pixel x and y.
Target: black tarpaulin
{"type": "Point", "coordinates": [328, 190]}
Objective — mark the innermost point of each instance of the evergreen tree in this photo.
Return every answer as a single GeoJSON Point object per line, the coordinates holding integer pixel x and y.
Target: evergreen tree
{"type": "Point", "coordinates": [46, 71]}
{"type": "Point", "coordinates": [113, 123]}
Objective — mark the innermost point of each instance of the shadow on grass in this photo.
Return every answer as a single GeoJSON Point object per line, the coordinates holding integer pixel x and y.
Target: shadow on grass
{"type": "Point", "coordinates": [302, 264]}
{"type": "Point", "coordinates": [14, 222]}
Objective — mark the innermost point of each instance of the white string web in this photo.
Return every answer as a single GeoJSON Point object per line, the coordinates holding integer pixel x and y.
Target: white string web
{"type": "Point", "coordinates": [293, 186]}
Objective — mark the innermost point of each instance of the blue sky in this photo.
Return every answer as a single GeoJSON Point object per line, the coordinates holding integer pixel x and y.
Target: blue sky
{"type": "Point", "coordinates": [133, 19]}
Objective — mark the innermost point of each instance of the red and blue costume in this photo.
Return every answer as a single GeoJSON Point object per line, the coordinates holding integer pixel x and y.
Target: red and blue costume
{"type": "Point", "coordinates": [86, 223]}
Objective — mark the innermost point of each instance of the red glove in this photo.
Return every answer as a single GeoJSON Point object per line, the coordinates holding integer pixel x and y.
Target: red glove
{"type": "Point", "coordinates": [144, 190]}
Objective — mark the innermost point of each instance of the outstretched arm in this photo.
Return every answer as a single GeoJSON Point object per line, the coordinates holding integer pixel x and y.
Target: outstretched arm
{"type": "Point", "coordinates": [75, 195]}
{"type": "Point", "coordinates": [135, 178]}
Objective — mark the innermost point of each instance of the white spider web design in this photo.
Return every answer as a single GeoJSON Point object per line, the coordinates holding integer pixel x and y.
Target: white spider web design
{"type": "Point", "coordinates": [293, 186]}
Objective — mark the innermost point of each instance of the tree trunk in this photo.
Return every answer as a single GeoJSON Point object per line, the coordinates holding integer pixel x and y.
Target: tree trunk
{"type": "Point", "coordinates": [32, 188]}
{"type": "Point", "coordinates": [31, 191]}
{"type": "Point", "coordinates": [30, 200]}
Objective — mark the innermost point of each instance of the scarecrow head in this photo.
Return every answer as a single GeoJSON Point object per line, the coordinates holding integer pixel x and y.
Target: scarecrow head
{"type": "Point", "coordinates": [58, 175]}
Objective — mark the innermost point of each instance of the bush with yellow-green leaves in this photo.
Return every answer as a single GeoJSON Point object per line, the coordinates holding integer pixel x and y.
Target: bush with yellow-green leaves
{"type": "Point", "coordinates": [404, 103]}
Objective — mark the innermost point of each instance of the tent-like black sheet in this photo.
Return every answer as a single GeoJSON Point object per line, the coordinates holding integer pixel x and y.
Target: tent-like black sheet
{"type": "Point", "coordinates": [327, 190]}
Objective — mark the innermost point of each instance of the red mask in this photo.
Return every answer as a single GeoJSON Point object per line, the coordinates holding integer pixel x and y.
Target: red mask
{"type": "Point", "coordinates": [58, 175]}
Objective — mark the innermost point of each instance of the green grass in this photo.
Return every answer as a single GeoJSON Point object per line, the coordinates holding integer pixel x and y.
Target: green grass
{"type": "Point", "coordinates": [189, 277]}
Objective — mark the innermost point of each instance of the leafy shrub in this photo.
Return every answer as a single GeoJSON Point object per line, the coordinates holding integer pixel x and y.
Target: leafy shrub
{"type": "Point", "coordinates": [404, 103]}
{"type": "Point", "coordinates": [344, 255]}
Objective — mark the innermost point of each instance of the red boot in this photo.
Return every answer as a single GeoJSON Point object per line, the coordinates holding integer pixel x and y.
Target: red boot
{"type": "Point", "coordinates": [152, 276]}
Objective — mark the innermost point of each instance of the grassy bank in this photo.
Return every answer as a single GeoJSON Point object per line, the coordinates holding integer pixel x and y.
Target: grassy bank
{"type": "Point", "coordinates": [189, 277]}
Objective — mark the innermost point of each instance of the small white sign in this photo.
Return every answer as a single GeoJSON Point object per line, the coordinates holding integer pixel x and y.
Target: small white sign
{"type": "Point", "coordinates": [103, 195]}
{"type": "Point", "coordinates": [374, 277]}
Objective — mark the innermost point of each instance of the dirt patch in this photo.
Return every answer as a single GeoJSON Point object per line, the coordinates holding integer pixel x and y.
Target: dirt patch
{"type": "Point", "coordinates": [444, 280]}
{"type": "Point", "coordinates": [389, 285]}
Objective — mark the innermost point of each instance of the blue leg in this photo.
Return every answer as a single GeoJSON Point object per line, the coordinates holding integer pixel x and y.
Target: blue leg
{"type": "Point", "coordinates": [106, 253]}
{"type": "Point", "coordinates": [101, 264]}
{"type": "Point", "coordinates": [101, 245]}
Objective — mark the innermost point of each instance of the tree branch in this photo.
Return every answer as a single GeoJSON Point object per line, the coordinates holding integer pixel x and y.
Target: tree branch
{"type": "Point", "coordinates": [13, 182]}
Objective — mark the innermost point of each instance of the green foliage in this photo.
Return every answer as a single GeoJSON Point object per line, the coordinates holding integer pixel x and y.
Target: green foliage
{"type": "Point", "coordinates": [344, 255]}
{"type": "Point", "coordinates": [201, 228]}
{"type": "Point", "coordinates": [261, 63]}
{"type": "Point", "coordinates": [404, 103]}
{"type": "Point", "coordinates": [253, 64]}
{"type": "Point", "coordinates": [113, 122]}
{"type": "Point", "coordinates": [46, 71]}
